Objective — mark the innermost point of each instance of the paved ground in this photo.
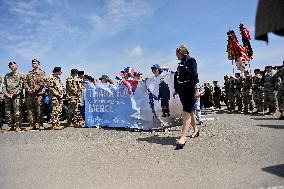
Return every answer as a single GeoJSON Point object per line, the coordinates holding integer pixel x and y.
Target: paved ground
{"type": "Point", "coordinates": [233, 151]}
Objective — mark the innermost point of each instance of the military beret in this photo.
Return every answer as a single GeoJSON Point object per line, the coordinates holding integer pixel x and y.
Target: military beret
{"type": "Point", "coordinates": [11, 63]}
{"type": "Point", "coordinates": [268, 67]}
{"type": "Point", "coordinates": [91, 78]}
{"type": "Point", "coordinates": [256, 70]}
{"type": "Point", "coordinates": [237, 74]}
{"type": "Point", "coordinates": [35, 60]}
{"type": "Point", "coordinates": [74, 71]}
{"type": "Point", "coordinates": [80, 72]}
{"type": "Point", "coordinates": [215, 81]}
{"type": "Point", "coordinates": [56, 69]}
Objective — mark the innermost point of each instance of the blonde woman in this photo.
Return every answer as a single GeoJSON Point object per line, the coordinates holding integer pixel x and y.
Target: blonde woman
{"type": "Point", "coordinates": [186, 77]}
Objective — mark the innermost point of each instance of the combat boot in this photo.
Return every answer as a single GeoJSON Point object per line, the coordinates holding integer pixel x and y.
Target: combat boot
{"type": "Point", "coordinates": [18, 129]}
{"type": "Point", "coordinates": [245, 111]}
{"type": "Point", "coordinates": [281, 116]}
{"type": "Point", "coordinates": [273, 111]}
{"type": "Point", "coordinates": [59, 127]}
{"type": "Point", "coordinates": [56, 127]}
{"type": "Point", "coordinates": [37, 126]}
{"type": "Point", "coordinates": [10, 128]}
{"type": "Point", "coordinates": [70, 123]}
{"type": "Point", "coordinates": [41, 127]}
{"type": "Point", "coordinates": [30, 127]}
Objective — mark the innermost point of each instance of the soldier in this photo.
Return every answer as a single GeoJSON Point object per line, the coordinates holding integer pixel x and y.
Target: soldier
{"type": "Point", "coordinates": [73, 94]}
{"type": "Point", "coordinates": [13, 92]}
{"type": "Point", "coordinates": [247, 92]}
{"type": "Point", "coordinates": [216, 95]}
{"type": "Point", "coordinates": [211, 102]}
{"type": "Point", "coordinates": [231, 95]}
{"type": "Point", "coordinates": [258, 96]}
{"type": "Point", "coordinates": [80, 83]}
{"type": "Point", "coordinates": [206, 95]}
{"type": "Point", "coordinates": [226, 88]}
{"type": "Point", "coordinates": [56, 93]}
{"type": "Point", "coordinates": [34, 88]}
{"type": "Point", "coordinates": [238, 91]}
{"type": "Point", "coordinates": [1, 102]}
{"type": "Point", "coordinates": [270, 85]}
{"type": "Point", "coordinates": [280, 94]}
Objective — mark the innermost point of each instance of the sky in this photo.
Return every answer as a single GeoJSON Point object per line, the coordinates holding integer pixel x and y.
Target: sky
{"type": "Point", "coordinates": [105, 36]}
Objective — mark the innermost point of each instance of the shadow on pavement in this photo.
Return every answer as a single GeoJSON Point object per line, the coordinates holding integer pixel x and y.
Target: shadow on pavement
{"type": "Point", "coordinates": [272, 126]}
{"type": "Point", "coordinates": [169, 141]}
{"type": "Point", "coordinates": [264, 118]}
{"type": "Point", "coordinates": [276, 170]}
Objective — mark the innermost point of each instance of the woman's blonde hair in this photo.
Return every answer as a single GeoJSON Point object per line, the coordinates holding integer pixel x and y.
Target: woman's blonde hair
{"type": "Point", "coordinates": [183, 49]}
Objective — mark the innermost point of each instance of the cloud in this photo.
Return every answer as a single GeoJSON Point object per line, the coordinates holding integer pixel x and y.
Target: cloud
{"type": "Point", "coordinates": [32, 27]}
{"type": "Point", "coordinates": [135, 52]}
{"type": "Point", "coordinates": [119, 15]}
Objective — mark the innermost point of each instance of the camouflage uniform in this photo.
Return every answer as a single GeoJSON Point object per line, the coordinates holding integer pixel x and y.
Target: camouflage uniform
{"type": "Point", "coordinates": [238, 93]}
{"type": "Point", "coordinates": [270, 85]}
{"type": "Point", "coordinates": [56, 89]}
{"type": "Point", "coordinates": [231, 97]}
{"type": "Point", "coordinates": [1, 101]}
{"type": "Point", "coordinates": [35, 81]}
{"type": "Point", "coordinates": [280, 94]}
{"type": "Point", "coordinates": [258, 96]}
{"type": "Point", "coordinates": [247, 94]}
{"type": "Point", "coordinates": [13, 84]}
{"type": "Point", "coordinates": [226, 88]}
{"type": "Point", "coordinates": [72, 89]}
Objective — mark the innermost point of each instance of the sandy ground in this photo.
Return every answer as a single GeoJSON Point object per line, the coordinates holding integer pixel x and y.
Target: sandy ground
{"type": "Point", "coordinates": [233, 151]}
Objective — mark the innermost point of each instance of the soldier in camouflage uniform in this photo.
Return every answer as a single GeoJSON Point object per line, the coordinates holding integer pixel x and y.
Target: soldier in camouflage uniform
{"type": "Point", "coordinates": [231, 94]}
{"type": "Point", "coordinates": [56, 93]}
{"type": "Point", "coordinates": [247, 92]}
{"type": "Point", "coordinates": [81, 88]}
{"type": "Point", "coordinates": [1, 102]}
{"type": "Point", "coordinates": [258, 96]}
{"type": "Point", "coordinates": [238, 91]}
{"type": "Point", "coordinates": [73, 95]}
{"type": "Point", "coordinates": [34, 88]}
{"type": "Point", "coordinates": [13, 92]}
{"type": "Point", "coordinates": [270, 85]}
{"type": "Point", "coordinates": [226, 89]}
{"type": "Point", "coordinates": [280, 94]}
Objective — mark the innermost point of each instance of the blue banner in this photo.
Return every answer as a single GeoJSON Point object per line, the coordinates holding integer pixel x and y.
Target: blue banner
{"type": "Point", "coordinates": [150, 107]}
{"type": "Point", "coordinates": [107, 105]}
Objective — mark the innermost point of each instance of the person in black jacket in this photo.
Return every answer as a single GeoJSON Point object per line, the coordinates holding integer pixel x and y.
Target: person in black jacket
{"type": "Point", "coordinates": [217, 95]}
{"type": "Point", "coordinates": [185, 79]}
{"type": "Point", "coordinates": [164, 96]}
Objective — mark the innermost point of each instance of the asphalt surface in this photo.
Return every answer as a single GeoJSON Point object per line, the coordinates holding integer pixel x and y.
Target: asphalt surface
{"type": "Point", "coordinates": [232, 151]}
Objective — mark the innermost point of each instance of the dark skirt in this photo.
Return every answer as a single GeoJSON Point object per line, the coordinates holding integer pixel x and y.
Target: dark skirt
{"type": "Point", "coordinates": [187, 98]}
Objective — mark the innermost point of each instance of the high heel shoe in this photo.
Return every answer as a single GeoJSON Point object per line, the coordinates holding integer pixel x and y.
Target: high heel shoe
{"type": "Point", "coordinates": [179, 146]}
{"type": "Point", "coordinates": [194, 136]}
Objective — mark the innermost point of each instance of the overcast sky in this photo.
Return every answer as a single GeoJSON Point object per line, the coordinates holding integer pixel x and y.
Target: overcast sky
{"type": "Point", "coordinates": [104, 36]}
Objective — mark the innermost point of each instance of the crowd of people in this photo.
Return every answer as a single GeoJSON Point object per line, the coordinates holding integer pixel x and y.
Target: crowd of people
{"type": "Point", "coordinates": [34, 96]}
{"type": "Point", "coordinates": [241, 94]}
{"type": "Point", "coordinates": [256, 94]}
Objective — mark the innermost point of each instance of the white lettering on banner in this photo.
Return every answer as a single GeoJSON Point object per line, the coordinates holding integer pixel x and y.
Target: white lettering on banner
{"type": "Point", "coordinates": [121, 93]}
{"type": "Point", "coordinates": [100, 108]}
{"type": "Point", "coordinates": [97, 93]}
